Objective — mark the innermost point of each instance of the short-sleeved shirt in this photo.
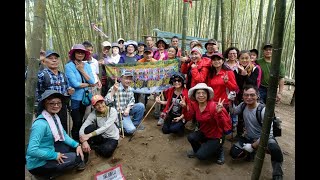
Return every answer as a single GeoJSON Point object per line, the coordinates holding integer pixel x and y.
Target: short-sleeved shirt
{"type": "Point", "coordinates": [265, 67]}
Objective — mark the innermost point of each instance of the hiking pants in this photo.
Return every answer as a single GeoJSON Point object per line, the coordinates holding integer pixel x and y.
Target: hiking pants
{"type": "Point", "coordinates": [77, 113]}
{"type": "Point", "coordinates": [203, 147]}
{"type": "Point", "coordinates": [172, 127]}
{"type": "Point", "coordinates": [53, 168]}
{"type": "Point", "coordinates": [103, 146]}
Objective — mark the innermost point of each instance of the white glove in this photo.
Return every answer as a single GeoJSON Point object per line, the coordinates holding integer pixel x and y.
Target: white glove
{"type": "Point", "coordinates": [247, 147]}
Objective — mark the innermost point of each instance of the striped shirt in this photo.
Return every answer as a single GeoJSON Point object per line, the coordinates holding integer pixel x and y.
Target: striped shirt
{"type": "Point", "coordinates": [126, 98]}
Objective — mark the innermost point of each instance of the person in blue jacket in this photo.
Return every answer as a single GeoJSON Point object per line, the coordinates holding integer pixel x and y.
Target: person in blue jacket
{"type": "Point", "coordinates": [50, 150]}
{"type": "Point", "coordinates": [80, 77]}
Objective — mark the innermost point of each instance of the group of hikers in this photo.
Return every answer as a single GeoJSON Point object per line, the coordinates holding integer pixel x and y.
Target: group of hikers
{"type": "Point", "coordinates": [210, 91]}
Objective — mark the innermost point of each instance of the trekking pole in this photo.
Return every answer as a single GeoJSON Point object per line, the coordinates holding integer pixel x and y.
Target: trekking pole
{"type": "Point", "coordinates": [121, 121]}
{"type": "Point", "coordinates": [144, 118]}
{"type": "Point", "coordinates": [69, 118]}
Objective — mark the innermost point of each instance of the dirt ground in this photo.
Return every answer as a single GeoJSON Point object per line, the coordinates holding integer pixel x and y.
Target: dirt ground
{"type": "Point", "coordinates": [152, 155]}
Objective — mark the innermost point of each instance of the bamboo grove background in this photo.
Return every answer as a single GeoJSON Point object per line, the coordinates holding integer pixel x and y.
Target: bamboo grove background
{"type": "Point", "coordinates": [246, 24]}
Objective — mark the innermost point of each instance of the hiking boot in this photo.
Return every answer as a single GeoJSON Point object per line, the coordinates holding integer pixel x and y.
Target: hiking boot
{"type": "Point", "coordinates": [86, 157]}
{"type": "Point", "coordinates": [220, 159]}
{"type": "Point", "coordinates": [160, 122]}
{"type": "Point", "coordinates": [191, 154]}
{"type": "Point", "coordinates": [81, 166]}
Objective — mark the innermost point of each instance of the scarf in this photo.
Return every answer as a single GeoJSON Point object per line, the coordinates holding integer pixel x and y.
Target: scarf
{"type": "Point", "coordinates": [56, 132]}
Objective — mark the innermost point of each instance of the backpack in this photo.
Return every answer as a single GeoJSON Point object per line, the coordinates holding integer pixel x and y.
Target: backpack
{"type": "Point", "coordinates": [275, 120]}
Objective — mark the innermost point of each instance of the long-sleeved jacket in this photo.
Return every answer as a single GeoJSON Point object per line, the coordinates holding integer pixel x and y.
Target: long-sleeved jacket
{"type": "Point", "coordinates": [198, 74]}
{"type": "Point", "coordinates": [212, 124]}
{"type": "Point", "coordinates": [75, 79]}
{"type": "Point", "coordinates": [41, 144]}
{"type": "Point", "coordinates": [169, 93]}
{"type": "Point", "coordinates": [220, 87]}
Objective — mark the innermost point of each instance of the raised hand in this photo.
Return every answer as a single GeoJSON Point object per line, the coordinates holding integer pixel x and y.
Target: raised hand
{"type": "Point", "coordinates": [79, 65]}
{"type": "Point", "coordinates": [183, 101]}
{"type": "Point", "coordinates": [116, 85]}
{"type": "Point", "coordinates": [158, 99]}
{"type": "Point", "coordinates": [219, 105]}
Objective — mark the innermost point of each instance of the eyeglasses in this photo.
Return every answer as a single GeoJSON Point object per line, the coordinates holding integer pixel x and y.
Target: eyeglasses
{"type": "Point", "coordinates": [53, 104]}
{"type": "Point", "coordinates": [79, 52]}
{"type": "Point", "coordinates": [251, 95]}
{"type": "Point", "coordinates": [177, 80]}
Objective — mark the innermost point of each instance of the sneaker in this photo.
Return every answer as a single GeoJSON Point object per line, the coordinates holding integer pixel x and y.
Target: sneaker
{"type": "Point", "coordinates": [141, 127]}
{"type": "Point", "coordinates": [220, 159]}
{"type": "Point", "coordinates": [81, 166]}
{"type": "Point", "coordinates": [160, 122]}
{"type": "Point", "coordinates": [279, 177]}
{"type": "Point", "coordinates": [191, 154]}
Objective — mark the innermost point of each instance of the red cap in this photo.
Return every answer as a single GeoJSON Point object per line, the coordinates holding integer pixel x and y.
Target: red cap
{"type": "Point", "coordinates": [96, 98]}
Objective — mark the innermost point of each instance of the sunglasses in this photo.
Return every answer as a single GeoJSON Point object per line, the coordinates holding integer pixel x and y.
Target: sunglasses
{"type": "Point", "coordinates": [177, 80]}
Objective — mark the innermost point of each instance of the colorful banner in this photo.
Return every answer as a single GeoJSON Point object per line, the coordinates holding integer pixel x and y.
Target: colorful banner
{"type": "Point", "coordinates": [148, 77]}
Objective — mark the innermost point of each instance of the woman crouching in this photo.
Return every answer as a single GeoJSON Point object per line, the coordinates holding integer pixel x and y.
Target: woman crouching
{"type": "Point", "coordinates": [173, 113]}
{"type": "Point", "coordinates": [213, 120]}
{"type": "Point", "coordinates": [50, 150]}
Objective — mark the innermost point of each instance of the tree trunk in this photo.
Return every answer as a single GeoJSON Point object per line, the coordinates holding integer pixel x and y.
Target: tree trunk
{"type": "Point", "coordinates": [109, 21]}
{"type": "Point", "coordinates": [31, 82]}
{"type": "Point", "coordinates": [268, 23]}
{"type": "Point", "coordinates": [184, 27]}
{"type": "Point", "coordinates": [217, 20]}
{"type": "Point", "coordinates": [259, 25]}
{"type": "Point", "coordinates": [223, 25]}
{"type": "Point", "coordinates": [28, 27]}
{"type": "Point", "coordinates": [272, 89]}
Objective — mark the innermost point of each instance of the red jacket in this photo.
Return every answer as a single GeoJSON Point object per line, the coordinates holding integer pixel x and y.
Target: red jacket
{"type": "Point", "coordinates": [169, 93]}
{"type": "Point", "coordinates": [212, 124]}
{"type": "Point", "coordinates": [219, 87]}
{"type": "Point", "coordinates": [199, 74]}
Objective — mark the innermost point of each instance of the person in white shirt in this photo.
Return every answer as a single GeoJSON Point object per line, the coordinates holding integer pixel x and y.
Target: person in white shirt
{"type": "Point", "coordinates": [114, 57]}
{"type": "Point", "coordinates": [95, 89]}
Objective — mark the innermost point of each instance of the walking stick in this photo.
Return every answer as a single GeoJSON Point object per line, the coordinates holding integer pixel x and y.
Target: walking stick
{"type": "Point", "coordinates": [144, 118]}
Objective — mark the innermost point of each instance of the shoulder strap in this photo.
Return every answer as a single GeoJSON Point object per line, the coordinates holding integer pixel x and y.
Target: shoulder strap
{"type": "Point", "coordinates": [258, 113]}
{"type": "Point", "coordinates": [47, 80]}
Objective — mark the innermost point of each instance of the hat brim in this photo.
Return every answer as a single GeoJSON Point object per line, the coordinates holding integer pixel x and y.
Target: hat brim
{"type": "Point", "coordinates": [94, 103]}
{"type": "Point", "coordinates": [193, 89]}
{"type": "Point", "coordinates": [267, 46]}
{"type": "Point", "coordinates": [166, 46]}
{"type": "Point", "coordinates": [54, 54]}
{"type": "Point", "coordinates": [206, 44]}
{"type": "Point", "coordinates": [221, 57]}
{"type": "Point", "coordinates": [86, 57]}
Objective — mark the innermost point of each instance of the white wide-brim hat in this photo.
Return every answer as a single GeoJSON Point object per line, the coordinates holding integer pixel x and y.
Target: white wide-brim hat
{"type": "Point", "coordinates": [200, 86]}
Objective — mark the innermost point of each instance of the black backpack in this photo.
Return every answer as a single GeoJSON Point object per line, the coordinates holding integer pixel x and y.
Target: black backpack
{"type": "Point", "coordinates": [276, 122]}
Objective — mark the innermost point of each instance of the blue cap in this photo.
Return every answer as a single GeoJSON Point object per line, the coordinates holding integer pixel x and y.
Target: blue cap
{"type": "Point", "coordinates": [50, 52]}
